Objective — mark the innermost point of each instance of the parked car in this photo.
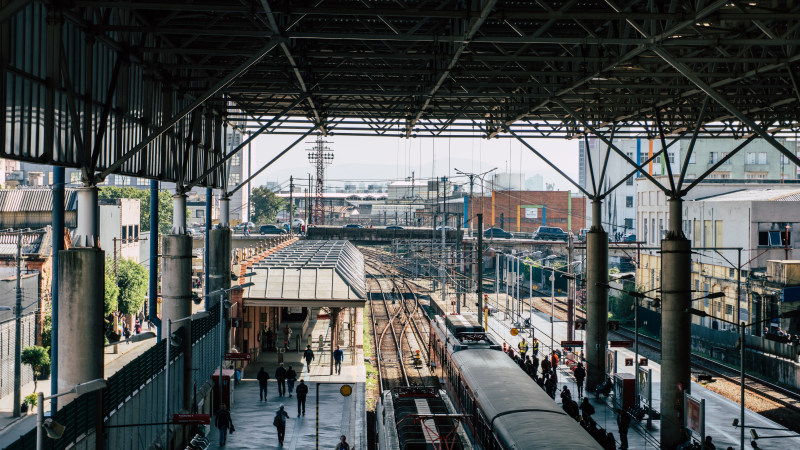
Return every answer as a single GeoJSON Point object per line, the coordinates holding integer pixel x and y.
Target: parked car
{"type": "Point", "coordinates": [353, 225]}
{"type": "Point", "coordinates": [582, 234]}
{"type": "Point", "coordinates": [629, 238]}
{"type": "Point", "coordinates": [439, 228]}
{"type": "Point", "coordinates": [249, 226]}
{"type": "Point", "coordinates": [394, 227]}
{"type": "Point", "coordinates": [497, 233]}
{"type": "Point", "coordinates": [271, 229]}
{"type": "Point", "coordinates": [550, 234]}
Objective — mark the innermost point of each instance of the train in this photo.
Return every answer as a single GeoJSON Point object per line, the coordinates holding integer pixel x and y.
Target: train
{"type": "Point", "coordinates": [419, 418]}
{"type": "Point", "coordinates": [506, 409]}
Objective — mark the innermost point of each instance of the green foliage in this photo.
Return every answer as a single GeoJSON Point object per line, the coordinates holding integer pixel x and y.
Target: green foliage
{"type": "Point", "coordinates": [613, 271]}
{"type": "Point", "coordinates": [37, 357]}
{"type": "Point", "coordinates": [112, 294]}
{"type": "Point", "coordinates": [266, 205]}
{"type": "Point", "coordinates": [47, 331]}
{"type": "Point", "coordinates": [31, 400]}
{"type": "Point", "coordinates": [132, 282]}
{"type": "Point", "coordinates": [164, 205]}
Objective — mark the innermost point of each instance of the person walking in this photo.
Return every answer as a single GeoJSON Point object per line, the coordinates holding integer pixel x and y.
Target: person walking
{"type": "Point", "coordinates": [623, 423]}
{"type": "Point", "coordinates": [308, 355]}
{"type": "Point", "coordinates": [287, 335]}
{"type": "Point", "coordinates": [291, 377]}
{"type": "Point", "coordinates": [554, 360]}
{"type": "Point", "coordinates": [263, 379]}
{"type": "Point", "coordinates": [223, 423]}
{"type": "Point", "coordinates": [343, 445]}
{"type": "Point", "coordinates": [280, 375]}
{"type": "Point", "coordinates": [580, 375]}
{"type": "Point", "coordinates": [338, 356]}
{"type": "Point", "coordinates": [523, 348]}
{"type": "Point", "coordinates": [279, 421]}
{"type": "Point", "coordinates": [586, 411]}
{"type": "Point", "coordinates": [302, 391]}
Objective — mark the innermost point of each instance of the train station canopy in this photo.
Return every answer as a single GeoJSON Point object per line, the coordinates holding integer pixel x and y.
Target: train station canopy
{"type": "Point", "coordinates": [311, 274]}
{"type": "Point", "coordinates": [160, 79]}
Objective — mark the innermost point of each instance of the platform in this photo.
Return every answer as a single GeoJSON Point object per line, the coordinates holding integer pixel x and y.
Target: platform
{"type": "Point", "coordinates": [720, 411]}
{"type": "Point", "coordinates": [338, 415]}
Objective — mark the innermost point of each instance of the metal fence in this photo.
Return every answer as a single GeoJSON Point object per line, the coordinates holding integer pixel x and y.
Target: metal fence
{"type": "Point", "coordinates": [7, 345]}
{"type": "Point", "coordinates": [135, 396]}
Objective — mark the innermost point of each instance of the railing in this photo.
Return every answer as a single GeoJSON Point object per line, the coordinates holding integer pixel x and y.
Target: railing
{"type": "Point", "coordinates": [133, 401]}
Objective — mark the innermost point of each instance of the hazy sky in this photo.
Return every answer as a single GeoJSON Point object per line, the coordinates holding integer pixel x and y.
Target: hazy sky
{"type": "Point", "coordinates": [383, 158]}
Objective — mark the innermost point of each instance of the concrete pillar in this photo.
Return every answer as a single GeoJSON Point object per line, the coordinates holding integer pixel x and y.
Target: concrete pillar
{"type": "Point", "coordinates": [224, 212]}
{"type": "Point", "coordinates": [176, 298]}
{"type": "Point", "coordinates": [178, 214]}
{"type": "Point", "coordinates": [597, 300]}
{"type": "Point", "coordinates": [80, 316]}
{"type": "Point", "coordinates": [676, 267]}
{"type": "Point", "coordinates": [87, 232]}
{"type": "Point", "coordinates": [219, 262]}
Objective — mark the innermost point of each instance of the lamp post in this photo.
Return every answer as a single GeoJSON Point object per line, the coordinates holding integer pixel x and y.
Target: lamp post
{"type": "Point", "coordinates": [80, 389]}
{"type": "Point", "coordinates": [742, 325]}
{"type": "Point", "coordinates": [191, 318]}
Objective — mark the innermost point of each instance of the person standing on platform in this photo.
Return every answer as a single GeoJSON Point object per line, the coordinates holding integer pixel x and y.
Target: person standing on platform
{"type": "Point", "coordinates": [302, 391]}
{"type": "Point", "coordinates": [263, 379]}
{"type": "Point", "coordinates": [223, 423]}
{"type": "Point", "coordinates": [338, 356]}
{"type": "Point", "coordinates": [523, 348]}
{"type": "Point", "coordinates": [535, 347]}
{"type": "Point", "coordinates": [287, 335]}
{"type": "Point", "coordinates": [291, 377]}
{"type": "Point", "coordinates": [580, 375]}
{"type": "Point", "coordinates": [280, 423]}
{"type": "Point", "coordinates": [309, 356]}
{"type": "Point", "coordinates": [343, 445]}
{"type": "Point", "coordinates": [586, 411]}
{"type": "Point", "coordinates": [280, 375]}
{"type": "Point", "coordinates": [545, 366]}
{"type": "Point", "coordinates": [623, 423]}
{"type": "Point", "coordinates": [270, 338]}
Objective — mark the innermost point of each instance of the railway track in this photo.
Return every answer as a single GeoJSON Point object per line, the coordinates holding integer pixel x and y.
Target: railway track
{"type": "Point", "coordinates": [778, 394]}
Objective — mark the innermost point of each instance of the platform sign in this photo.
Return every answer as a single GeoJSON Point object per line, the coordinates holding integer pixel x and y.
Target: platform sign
{"type": "Point", "coordinates": [191, 419]}
{"type": "Point", "coordinates": [571, 344]}
{"type": "Point", "coordinates": [237, 356]}
{"type": "Point", "coordinates": [625, 344]}
{"type": "Point", "coordinates": [694, 414]}
{"type": "Point", "coordinates": [628, 362]}
{"type": "Point", "coordinates": [643, 361]}
{"type": "Point", "coordinates": [613, 325]}
{"type": "Point", "coordinates": [580, 324]}
{"type": "Point", "coordinates": [514, 331]}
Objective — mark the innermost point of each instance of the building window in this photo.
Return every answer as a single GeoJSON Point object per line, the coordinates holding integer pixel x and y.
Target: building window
{"type": "Point", "coordinates": [629, 224]}
{"type": "Point", "coordinates": [645, 230]}
{"type": "Point", "coordinates": [142, 181]}
{"type": "Point", "coordinates": [629, 201]}
{"type": "Point", "coordinates": [728, 309]}
{"type": "Point", "coordinates": [762, 157]}
{"type": "Point", "coordinates": [755, 175]}
{"type": "Point", "coordinates": [629, 182]}
{"type": "Point", "coordinates": [705, 293]}
{"type": "Point", "coordinates": [715, 157]}
{"type": "Point", "coordinates": [236, 159]}
{"type": "Point", "coordinates": [750, 158]}
{"type": "Point", "coordinates": [124, 233]}
{"type": "Point", "coordinates": [719, 176]}
{"type": "Point", "coordinates": [643, 157]}
{"type": "Point", "coordinates": [661, 228]}
{"type": "Point", "coordinates": [75, 177]}
{"type": "Point", "coordinates": [235, 179]}
{"type": "Point", "coordinates": [123, 180]}
{"type": "Point", "coordinates": [136, 232]}
{"type": "Point", "coordinates": [692, 158]}
{"type": "Point", "coordinates": [671, 157]}
{"type": "Point", "coordinates": [199, 213]}
{"type": "Point", "coordinates": [50, 177]}
{"type": "Point", "coordinates": [774, 238]}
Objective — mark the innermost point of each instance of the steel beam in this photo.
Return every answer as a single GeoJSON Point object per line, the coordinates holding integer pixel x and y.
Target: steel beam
{"type": "Point", "coordinates": [689, 151]}
{"type": "Point", "coordinates": [169, 123]}
{"type": "Point", "coordinates": [553, 166]}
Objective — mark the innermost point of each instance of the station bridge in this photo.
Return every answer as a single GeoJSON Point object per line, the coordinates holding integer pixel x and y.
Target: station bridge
{"type": "Point", "coordinates": [149, 89]}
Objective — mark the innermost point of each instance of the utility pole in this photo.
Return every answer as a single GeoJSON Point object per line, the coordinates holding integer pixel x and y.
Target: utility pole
{"type": "Point", "coordinates": [291, 203]}
{"type": "Point", "coordinates": [18, 333]}
{"type": "Point", "coordinates": [472, 177]}
{"type": "Point", "coordinates": [570, 293]}
{"type": "Point", "coordinates": [479, 257]}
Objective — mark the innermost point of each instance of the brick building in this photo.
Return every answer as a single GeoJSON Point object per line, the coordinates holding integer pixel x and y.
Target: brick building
{"type": "Point", "coordinates": [525, 211]}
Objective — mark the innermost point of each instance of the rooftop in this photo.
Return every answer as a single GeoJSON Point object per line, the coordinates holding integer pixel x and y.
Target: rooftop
{"type": "Point", "coordinates": [758, 195]}
{"type": "Point", "coordinates": [307, 273]}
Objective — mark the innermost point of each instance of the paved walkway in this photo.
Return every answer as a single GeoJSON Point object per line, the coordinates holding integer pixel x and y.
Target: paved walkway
{"type": "Point", "coordinates": [338, 415]}
{"type": "Point", "coordinates": [12, 428]}
{"type": "Point", "coordinates": [719, 410]}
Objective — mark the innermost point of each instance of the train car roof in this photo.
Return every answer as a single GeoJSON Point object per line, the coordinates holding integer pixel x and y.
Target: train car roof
{"type": "Point", "coordinates": [508, 398]}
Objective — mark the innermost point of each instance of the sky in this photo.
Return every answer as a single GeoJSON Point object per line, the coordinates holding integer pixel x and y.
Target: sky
{"type": "Point", "coordinates": [365, 159]}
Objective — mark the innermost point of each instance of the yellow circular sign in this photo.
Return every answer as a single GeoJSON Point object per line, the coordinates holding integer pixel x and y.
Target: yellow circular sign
{"type": "Point", "coordinates": [346, 390]}
{"type": "Point", "coordinates": [514, 331]}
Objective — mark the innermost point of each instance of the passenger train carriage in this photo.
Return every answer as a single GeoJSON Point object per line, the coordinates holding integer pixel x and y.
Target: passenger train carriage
{"type": "Point", "coordinates": [508, 409]}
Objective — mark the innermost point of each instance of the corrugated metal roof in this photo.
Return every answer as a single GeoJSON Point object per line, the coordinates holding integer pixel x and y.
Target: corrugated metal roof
{"type": "Point", "coordinates": [310, 270]}
{"type": "Point", "coordinates": [758, 195]}
{"type": "Point", "coordinates": [36, 199]}
{"type": "Point", "coordinates": [34, 243]}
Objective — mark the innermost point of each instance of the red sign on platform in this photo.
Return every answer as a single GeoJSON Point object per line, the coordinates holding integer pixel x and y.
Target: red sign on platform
{"type": "Point", "coordinates": [568, 344]}
{"type": "Point", "coordinates": [620, 344]}
{"type": "Point", "coordinates": [191, 419]}
{"type": "Point", "coordinates": [237, 356]}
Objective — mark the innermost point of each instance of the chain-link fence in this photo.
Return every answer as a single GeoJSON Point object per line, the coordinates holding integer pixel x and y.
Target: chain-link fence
{"type": "Point", "coordinates": [7, 345]}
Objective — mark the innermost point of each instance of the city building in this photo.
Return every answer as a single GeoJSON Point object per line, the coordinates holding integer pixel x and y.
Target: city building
{"type": "Point", "coordinates": [525, 211]}
{"type": "Point", "coordinates": [119, 227]}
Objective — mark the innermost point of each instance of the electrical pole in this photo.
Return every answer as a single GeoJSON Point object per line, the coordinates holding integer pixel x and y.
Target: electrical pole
{"type": "Point", "coordinates": [18, 333]}
{"type": "Point", "coordinates": [320, 155]}
{"type": "Point", "coordinates": [472, 177]}
{"type": "Point", "coordinates": [479, 256]}
{"type": "Point", "coordinates": [291, 203]}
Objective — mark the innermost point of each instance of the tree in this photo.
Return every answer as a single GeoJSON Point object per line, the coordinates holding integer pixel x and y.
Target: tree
{"type": "Point", "coordinates": [111, 295]}
{"type": "Point", "coordinates": [132, 282]}
{"type": "Point", "coordinates": [37, 357]}
{"type": "Point", "coordinates": [266, 205]}
{"type": "Point", "coordinates": [164, 205]}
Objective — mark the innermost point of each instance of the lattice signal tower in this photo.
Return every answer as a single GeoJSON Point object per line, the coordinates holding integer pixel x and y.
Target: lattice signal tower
{"type": "Point", "coordinates": [320, 155]}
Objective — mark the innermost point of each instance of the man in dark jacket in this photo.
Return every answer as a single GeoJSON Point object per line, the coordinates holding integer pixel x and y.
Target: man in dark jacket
{"type": "Point", "coordinates": [545, 366]}
{"type": "Point", "coordinates": [263, 379]}
{"type": "Point", "coordinates": [280, 423]}
{"type": "Point", "coordinates": [309, 356]}
{"type": "Point", "coordinates": [291, 377]}
{"type": "Point", "coordinates": [586, 411]}
{"type": "Point", "coordinates": [280, 375]}
{"type": "Point", "coordinates": [223, 423]}
{"type": "Point", "coordinates": [302, 391]}
{"type": "Point", "coordinates": [338, 356]}
{"type": "Point", "coordinates": [623, 422]}
{"type": "Point", "coordinates": [580, 375]}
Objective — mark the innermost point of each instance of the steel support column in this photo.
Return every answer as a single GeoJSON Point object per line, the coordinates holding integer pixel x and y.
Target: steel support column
{"type": "Point", "coordinates": [152, 310]}
{"type": "Point", "coordinates": [207, 239]}
{"type": "Point", "coordinates": [676, 273]}
{"type": "Point", "coordinates": [597, 299]}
